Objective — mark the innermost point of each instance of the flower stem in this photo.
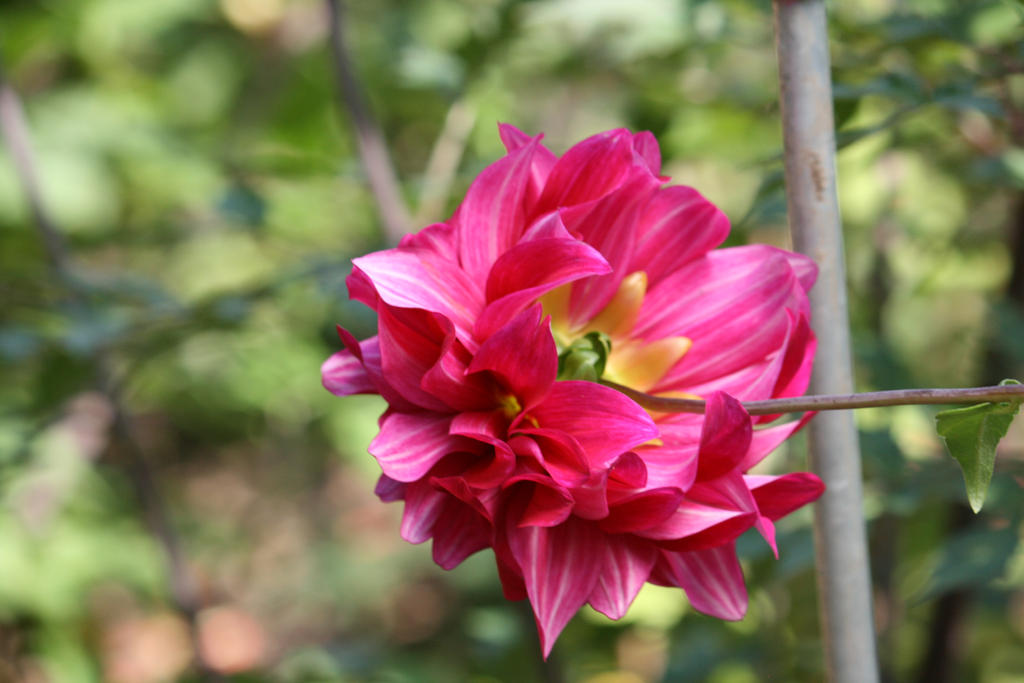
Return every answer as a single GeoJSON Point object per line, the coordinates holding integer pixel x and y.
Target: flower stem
{"type": "Point", "coordinates": [871, 399]}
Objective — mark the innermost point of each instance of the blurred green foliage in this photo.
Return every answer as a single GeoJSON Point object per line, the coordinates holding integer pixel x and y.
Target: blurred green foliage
{"type": "Point", "coordinates": [193, 155]}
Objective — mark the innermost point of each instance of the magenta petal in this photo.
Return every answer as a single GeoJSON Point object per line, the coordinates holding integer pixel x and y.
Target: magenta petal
{"type": "Point", "coordinates": [410, 344]}
{"type": "Point", "coordinates": [560, 566]}
{"type": "Point", "coordinates": [407, 278]}
{"type": "Point", "coordinates": [588, 170]}
{"type": "Point", "coordinates": [530, 270]}
{"type": "Point", "coordinates": [678, 226]}
{"type": "Point", "coordinates": [549, 504]}
{"type": "Point", "coordinates": [712, 579]}
{"type": "Point", "coordinates": [448, 379]}
{"type": "Point", "coordinates": [766, 440]}
{"type": "Point", "coordinates": [730, 490]}
{"type": "Point", "coordinates": [778, 496]}
{"type": "Point", "coordinates": [491, 217]}
{"type": "Point", "coordinates": [674, 462]}
{"type": "Point", "coordinates": [725, 437]}
{"type": "Point", "coordinates": [389, 490]}
{"type": "Point", "coordinates": [591, 496]}
{"type": "Point", "coordinates": [558, 453]}
{"type": "Point", "coordinates": [543, 159]}
{"type": "Point", "coordinates": [458, 533]}
{"type": "Point", "coordinates": [646, 147]}
{"type": "Point", "coordinates": [627, 564]}
{"type": "Point", "coordinates": [691, 518]}
{"type": "Point", "coordinates": [409, 444]}
{"type": "Point", "coordinates": [610, 226]}
{"type": "Point", "coordinates": [733, 305]}
{"type": "Point", "coordinates": [523, 355]}
{"type": "Point", "coordinates": [629, 471]}
{"type": "Point", "coordinates": [603, 421]}
{"type": "Point", "coordinates": [546, 262]}
{"type": "Point", "coordinates": [795, 373]}
{"type": "Point", "coordinates": [641, 510]}
{"type": "Point", "coordinates": [343, 374]}
{"type": "Point", "coordinates": [423, 506]}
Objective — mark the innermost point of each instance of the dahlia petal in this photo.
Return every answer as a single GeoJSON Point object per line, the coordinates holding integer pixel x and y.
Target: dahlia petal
{"type": "Point", "coordinates": [795, 373]}
{"type": "Point", "coordinates": [368, 353]}
{"type": "Point", "coordinates": [627, 564]}
{"type": "Point", "coordinates": [389, 490]}
{"type": "Point", "coordinates": [805, 268]}
{"type": "Point", "coordinates": [674, 461]}
{"type": "Point", "coordinates": [523, 355]}
{"type": "Point", "coordinates": [646, 147]}
{"type": "Point", "coordinates": [458, 533]}
{"type": "Point", "coordinates": [725, 438]}
{"type": "Point", "coordinates": [543, 159]}
{"type": "Point", "coordinates": [629, 471]}
{"type": "Point", "coordinates": [731, 303]}
{"type": "Point", "coordinates": [777, 496]}
{"type": "Point", "coordinates": [531, 269]}
{"type": "Point", "coordinates": [549, 504]}
{"type": "Point", "coordinates": [423, 506]}
{"type": "Point", "coordinates": [560, 566]}
{"type": "Point", "coordinates": [641, 510]}
{"type": "Point", "coordinates": [604, 422]}
{"type": "Point", "coordinates": [448, 379]}
{"type": "Point", "coordinates": [360, 288]}
{"type": "Point", "coordinates": [494, 470]}
{"type": "Point", "coordinates": [438, 239]}
{"type": "Point", "coordinates": [409, 444]}
{"type": "Point", "coordinates": [712, 579]}
{"type": "Point", "coordinates": [588, 170]}
{"type": "Point", "coordinates": [766, 440]}
{"type": "Point", "coordinates": [590, 497]}
{"type": "Point", "coordinates": [484, 501]}
{"type": "Point", "coordinates": [678, 226]}
{"type": "Point", "coordinates": [691, 518]}
{"type": "Point", "coordinates": [609, 225]}
{"type": "Point", "coordinates": [486, 427]}
{"type": "Point", "coordinates": [343, 374]}
{"type": "Point", "coordinates": [731, 490]}
{"type": "Point", "coordinates": [410, 344]}
{"type": "Point", "coordinates": [543, 263]}
{"type": "Point", "coordinates": [407, 278]}
{"type": "Point", "coordinates": [557, 452]}
{"type": "Point", "coordinates": [491, 217]}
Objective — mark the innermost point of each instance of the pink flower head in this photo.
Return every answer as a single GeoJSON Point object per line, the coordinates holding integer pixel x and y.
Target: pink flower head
{"type": "Point", "coordinates": [582, 494]}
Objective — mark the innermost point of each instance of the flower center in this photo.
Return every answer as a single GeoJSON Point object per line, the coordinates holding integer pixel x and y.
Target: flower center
{"type": "Point", "coordinates": [633, 362]}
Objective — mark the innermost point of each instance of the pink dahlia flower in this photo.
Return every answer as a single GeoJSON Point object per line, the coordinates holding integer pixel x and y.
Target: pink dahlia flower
{"type": "Point", "coordinates": [582, 494]}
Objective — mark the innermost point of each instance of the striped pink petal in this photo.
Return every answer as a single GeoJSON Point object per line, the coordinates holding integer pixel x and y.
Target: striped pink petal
{"type": "Point", "coordinates": [409, 444]}
{"type": "Point", "coordinates": [712, 579]}
{"type": "Point", "coordinates": [560, 566]}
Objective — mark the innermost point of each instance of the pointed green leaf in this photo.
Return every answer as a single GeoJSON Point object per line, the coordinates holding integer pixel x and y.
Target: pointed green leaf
{"type": "Point", "coordinates": [971, 435]}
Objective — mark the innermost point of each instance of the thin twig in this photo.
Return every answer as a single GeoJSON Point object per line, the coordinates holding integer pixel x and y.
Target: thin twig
{"type": "Point", "coordinates": [444, 161]}
{"type": "Point", "coordinates": [182, 584]}
{"type": "Point", "coordinates": [369, 138]}
{"type": "Point", "coordinates": [16, 137]}
{"type": "Point", "coordinates": [871, 399]}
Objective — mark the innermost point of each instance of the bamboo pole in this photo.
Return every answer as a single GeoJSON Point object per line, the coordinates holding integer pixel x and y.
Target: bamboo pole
{"type": "Point", "coordinates": [808, 129]}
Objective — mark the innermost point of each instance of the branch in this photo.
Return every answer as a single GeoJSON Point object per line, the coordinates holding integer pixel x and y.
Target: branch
{"type": "Point", "coordinates": [16, 137]}
{"type": "Point", "coordinates": [444, 161]}
{"type": "Point", "coordinates": [872, 399]}
{"type": "Point", "coordinates": [372, 148]}
{"type": "Point", "coordinates": [182, 584]}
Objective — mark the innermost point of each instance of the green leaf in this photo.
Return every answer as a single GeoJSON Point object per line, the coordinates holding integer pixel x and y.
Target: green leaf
{"type": "Point", "coordinates": [971, 435]}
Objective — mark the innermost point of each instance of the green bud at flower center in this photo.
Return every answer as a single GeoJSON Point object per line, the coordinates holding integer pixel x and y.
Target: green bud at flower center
{"type": "Point", "coordinates": [585, 358]}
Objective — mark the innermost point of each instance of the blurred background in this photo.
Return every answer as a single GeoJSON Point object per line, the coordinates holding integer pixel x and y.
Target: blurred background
{"type": "Point", "coordinates": [173, 478]}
